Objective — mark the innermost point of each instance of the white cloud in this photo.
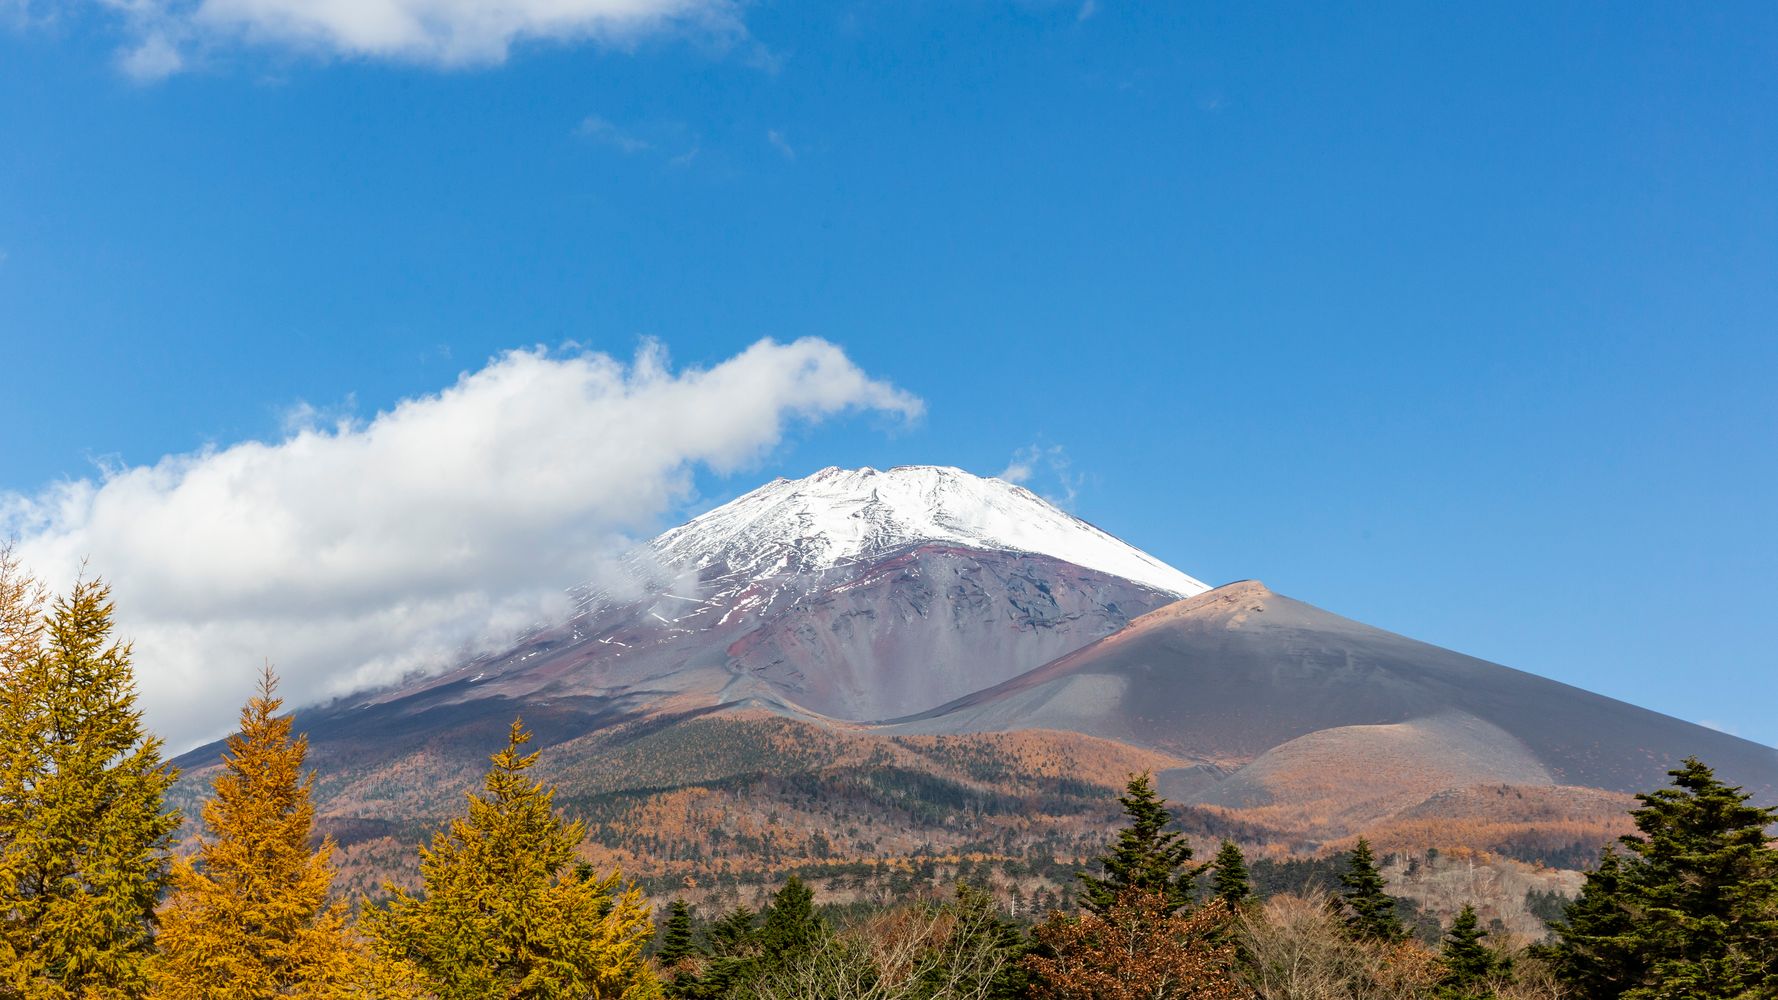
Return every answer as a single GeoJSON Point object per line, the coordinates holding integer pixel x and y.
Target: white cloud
{"type": "Point", "coordinates": [602, 130]}
{"type": "Point", "coordinates": [444, 33]}
{"type": "Point", "coordinates": [350, 554]}
{"type": "Point", "coordinates": [154, 58]}
{"type": "Point", "coordinates": [1048, 463]}
{"type": "Point", "coordinates": [781, 144]}
{"type": "Point", "coordinates": [1022, 467]}
{"type": "Point", "coordinates": [658, 137]}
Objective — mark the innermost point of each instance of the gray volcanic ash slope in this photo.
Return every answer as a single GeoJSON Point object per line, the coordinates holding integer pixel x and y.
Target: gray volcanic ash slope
{"type": "Point", "coordinates": [1244, 678]}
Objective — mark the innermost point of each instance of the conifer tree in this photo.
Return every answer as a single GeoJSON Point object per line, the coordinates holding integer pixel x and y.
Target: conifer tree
{"type": "Point", "coordinates": [729, 959]}
{"type": "Point", "coordinates": [1596, 951]}
{"type": "Point", "coordinates": [21, 618]}
{"type": "Point", "coordinates": [21, 639]}
{"type": "Point", "coordinates": [1468, 962]}
{"type": "Point", "coordinates": [1692, 911]}
{"type": "Point", "coordinates": [83, 855]}
{"type": "Point", "coordinates": [1229, 880]}
{"type": "Point", "coordinates": [1147, 857]}
{"type": "Point", "coordinates": [1370, 909]}
{"type": "Point", "coordinates": [504, 913]}
{"type": "Point", "coordinates": [735, 934]}
{"type": "Point", "coordinates": [250, 918]}
{"type": "Point", "coordinates": [791, 925]}
{"type": "Point", "coordinates": [676, 939]}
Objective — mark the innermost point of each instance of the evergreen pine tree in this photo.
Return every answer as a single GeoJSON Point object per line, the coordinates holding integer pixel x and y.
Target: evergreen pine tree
{"type": "Point", "coordinates": [730, 957]}
{"type": "Point", "coordinates": [1596, 951]}
{"type": "Point", "coordinates": [84, 831]}
{"type": "Point", "coordinates": [504, 913]}
{"type": "Point", "coordinates": [735, 934]}
{"type": "Point", "coordinates": [1468, 962]}
{"type": "Point", "coordinates": [1229, 881]}
{"type": "Point", "coordinates": [791, 926]}
{"type": "Point", "coordinates": [1147, 856]}
{"type": "Point", "coordinates": [1696, 900]}
{"type": "Point", "coordinates": [250, 919]}
{"type": "Point", "coordinates": [1371, 910]}
{"type": "Point", "coordinates": [676, 938]}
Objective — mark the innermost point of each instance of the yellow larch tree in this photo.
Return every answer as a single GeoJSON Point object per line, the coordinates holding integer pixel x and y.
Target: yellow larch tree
{"type": "Point", "coordinates": [21, 613]}
{"type": "Point", "coordinates": [505, 910]}
{"type": "Point", "coordinates": [251, 916]}
{"type": "Point", "coordinates": [21, 637]}
{"type": "Point", "coordinates": [84, 830]}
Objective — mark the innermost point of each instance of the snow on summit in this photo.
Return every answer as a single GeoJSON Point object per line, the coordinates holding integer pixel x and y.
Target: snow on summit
{"type": "Point", "coordinates": [838, 516]}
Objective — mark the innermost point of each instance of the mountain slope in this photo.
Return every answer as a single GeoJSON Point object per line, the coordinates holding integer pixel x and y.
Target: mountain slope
{"type": "Point", "coordinates": [1230, 675]}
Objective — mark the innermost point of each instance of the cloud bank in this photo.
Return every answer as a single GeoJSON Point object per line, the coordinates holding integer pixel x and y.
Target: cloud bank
{"type": "Point", "coordinates": [353, 553]}
{"type": "Point", "coordinates": [443, 33]}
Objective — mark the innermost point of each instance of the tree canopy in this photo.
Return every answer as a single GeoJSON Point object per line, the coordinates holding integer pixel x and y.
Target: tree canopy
{"type": "Point", "coordinates": [504, 911]}
{"type": "Point", "coordinates": [1146, 857]}
{"type": "Point", "coordinates": [251, 916]}
{"type": "Point", "coordinates": [1229, 880]}
{"type": "Point", "coordinates": [1690, 908]}
{"type": "Point", "coordinates": [1370, 910]}
{"type": "Point", "coordinates": [84, 831]}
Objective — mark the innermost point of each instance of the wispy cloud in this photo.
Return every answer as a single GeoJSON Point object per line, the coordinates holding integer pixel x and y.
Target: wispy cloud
{"type": "Point", "coordinates": [351, 551]}
{"type": "Point", "coordinates": [781, 144]}
{"type": "Point", "coordinates": [601, 130]}
{"type": "Point", "coordinates": [1046, 470]}
{"type": "Point", "coordinates": [306, 416]}
{"type": "Point", "coordinates": [153, 58]}
{"type": "Point", "coordinates": [166, 36]}
{"type": "Point", "coordinates": [671, 142]}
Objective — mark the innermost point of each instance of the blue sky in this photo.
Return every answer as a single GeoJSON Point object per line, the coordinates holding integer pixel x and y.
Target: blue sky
{"type": "Point", "coordinates": [1456, 320]}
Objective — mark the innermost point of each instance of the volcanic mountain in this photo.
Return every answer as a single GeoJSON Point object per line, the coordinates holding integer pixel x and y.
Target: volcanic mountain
{"type": "Point", "coordinates": [1281, 701]}
{"type": "Point", "coordinates": [920, 662]}
{"type": "Point", "coordinates": [846, 596]}
{"type": "Point", "coordinates": [851, 594]}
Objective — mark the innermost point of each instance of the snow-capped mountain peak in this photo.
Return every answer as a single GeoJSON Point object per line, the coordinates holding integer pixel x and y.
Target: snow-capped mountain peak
{"type": "Point", "coordinates": [838, 516]}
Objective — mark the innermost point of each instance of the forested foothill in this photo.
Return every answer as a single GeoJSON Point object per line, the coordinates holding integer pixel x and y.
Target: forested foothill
{"type": "Point", "coordinates": [107, 891]}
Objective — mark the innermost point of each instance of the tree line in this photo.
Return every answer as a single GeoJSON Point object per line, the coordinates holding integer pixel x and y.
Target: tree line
{"type": "Point", "coordinates": [96, 903]}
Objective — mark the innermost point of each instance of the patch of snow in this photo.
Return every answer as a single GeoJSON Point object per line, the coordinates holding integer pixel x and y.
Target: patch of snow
{"type": "Point", "coordinates": [840, 516]}
{"type": "Point", "coordinates": [682, 597]}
